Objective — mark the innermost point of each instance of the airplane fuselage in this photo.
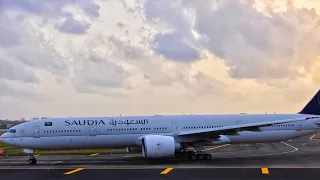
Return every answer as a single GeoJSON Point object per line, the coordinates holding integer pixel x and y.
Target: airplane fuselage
{"type": "Point", "coordinates": [127, 131]}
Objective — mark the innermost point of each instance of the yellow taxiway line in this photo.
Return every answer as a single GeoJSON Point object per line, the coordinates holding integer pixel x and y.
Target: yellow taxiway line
{"type": "Point", "coordinates": [96, 154]}
{"type": "Point", "coordinates": [166, 171]}
{"type": "Point", "coordinates": [74, 171]}
{"type": "Point", "coordinates": [312, 137]}
{"type": "Point", "coordinates": [148, 168]}
{"type": "Point", "coordinates": [264, 170]}
{"type": "Point", "coordinates": [216, 147]}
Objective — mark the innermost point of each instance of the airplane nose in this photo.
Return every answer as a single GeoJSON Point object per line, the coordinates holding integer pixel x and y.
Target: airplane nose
{"type": "Point", "coordinates": [2, 137]}
{"type": "Point", "coordinates": [5, 138]}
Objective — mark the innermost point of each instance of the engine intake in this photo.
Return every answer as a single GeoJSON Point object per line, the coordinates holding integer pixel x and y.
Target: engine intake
{"type": "Point", "coordinates": [159, 146]}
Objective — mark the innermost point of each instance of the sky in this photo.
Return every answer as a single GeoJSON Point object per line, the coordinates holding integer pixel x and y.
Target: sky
{"type": "Point", "coordinates": [62, 58]}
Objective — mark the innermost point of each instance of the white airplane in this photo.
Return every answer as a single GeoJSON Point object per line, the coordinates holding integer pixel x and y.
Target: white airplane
{"type": "Point", "coordinates": [163, 136]}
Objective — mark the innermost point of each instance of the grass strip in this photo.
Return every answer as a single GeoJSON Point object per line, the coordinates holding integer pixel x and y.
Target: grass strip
{"type": "Point", "coordinates": [75, 151]}
{"type": "Point", "coordinates": [8, 149]}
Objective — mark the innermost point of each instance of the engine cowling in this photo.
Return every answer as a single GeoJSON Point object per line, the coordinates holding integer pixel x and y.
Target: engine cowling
{"type": "Point", "coordinates": [221, 140]}
{"type": "Point", "coordinates": [159, 146]}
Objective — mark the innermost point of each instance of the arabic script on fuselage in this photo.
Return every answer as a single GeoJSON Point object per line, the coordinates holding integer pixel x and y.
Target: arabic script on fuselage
{"type": "Point", "coordinates": [128, 122]}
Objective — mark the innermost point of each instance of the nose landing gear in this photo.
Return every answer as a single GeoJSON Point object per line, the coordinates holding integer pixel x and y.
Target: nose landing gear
{"type": "Point", "coordinates": [32, 161]}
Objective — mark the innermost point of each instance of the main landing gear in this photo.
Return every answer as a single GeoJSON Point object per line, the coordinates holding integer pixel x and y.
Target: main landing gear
{"type": "Point", "coordinates": [198, 155]}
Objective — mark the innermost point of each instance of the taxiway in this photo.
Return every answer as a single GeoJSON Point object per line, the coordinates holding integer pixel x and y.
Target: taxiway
{"type": "Point", "coordinates": [295, 159]}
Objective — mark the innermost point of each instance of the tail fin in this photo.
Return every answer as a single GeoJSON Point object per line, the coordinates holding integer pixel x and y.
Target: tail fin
{"type": "Point", "coordinates": [313, 107]}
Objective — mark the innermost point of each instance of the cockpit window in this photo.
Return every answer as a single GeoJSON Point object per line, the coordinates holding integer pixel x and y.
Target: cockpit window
{"type": "Point", "coordinates": [12, 131]}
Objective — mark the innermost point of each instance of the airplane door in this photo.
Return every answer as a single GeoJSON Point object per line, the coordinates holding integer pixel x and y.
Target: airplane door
{"type": "Point", "coordinates": [299, 126]}
{"type": "Point", "coordinates": [174, 127]}
{"type": "Point", "coordinates": [93, 130]}
{"type": "Point", "coordinates": [36, 131]}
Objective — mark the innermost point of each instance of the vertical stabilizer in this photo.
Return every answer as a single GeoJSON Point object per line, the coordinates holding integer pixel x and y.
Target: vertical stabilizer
{"type": "Point", "coordinates": [313, 107]}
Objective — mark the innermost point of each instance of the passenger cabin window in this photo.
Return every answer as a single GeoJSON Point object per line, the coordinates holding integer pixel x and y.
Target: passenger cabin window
{"type": "Point", "coordinates": [60, 131]}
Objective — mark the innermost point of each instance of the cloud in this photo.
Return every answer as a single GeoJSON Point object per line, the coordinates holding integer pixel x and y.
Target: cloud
{"type": "Point", "coordinates": [122, 49]}
{"type": "Point", "coordinates": [251, 43]}
{"type": "Point", "coordinates": [172, 46]}
{"type": "Point", "coordinates": [76, 57]}
{"type": "Point", "coordinates": [60, 12]}
{"type": "Point", "coordinates": [69, 25]}
{"type": "Point", "coordinates": [98, 72]}
{"type": "Point", "coordinates": [177, 44]}
{"type": "Point", "coordinates": [14, 89]}
{"type": "Point", "coordinates": [8, 37]}
{"type": "Point", "coordinates": [25, 51]}
{"type": "Point", "coordinates": [9, 70]}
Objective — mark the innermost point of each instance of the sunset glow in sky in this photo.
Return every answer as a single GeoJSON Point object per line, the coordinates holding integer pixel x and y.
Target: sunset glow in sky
{"type": "Point", "coordinates": [61, 58]}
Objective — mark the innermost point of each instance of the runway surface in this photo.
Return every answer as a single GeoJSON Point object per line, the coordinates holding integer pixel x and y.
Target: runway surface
{"type": "Point", "coordinates": [296, 159]}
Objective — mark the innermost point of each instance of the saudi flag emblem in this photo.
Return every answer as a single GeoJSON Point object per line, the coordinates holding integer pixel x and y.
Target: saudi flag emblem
{"type": "Point", "coordinates": [48, 124]}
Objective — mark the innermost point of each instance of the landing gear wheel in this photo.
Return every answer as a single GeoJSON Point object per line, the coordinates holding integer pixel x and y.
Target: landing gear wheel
{"type": "Point", "coordinates": [200, 156]}
{"type": "Point", "coordinates": [208, 156]}
{"type": "Point", "coordinates": [32, 161]}
{"type": "Point", "coordinates": [193, 157]}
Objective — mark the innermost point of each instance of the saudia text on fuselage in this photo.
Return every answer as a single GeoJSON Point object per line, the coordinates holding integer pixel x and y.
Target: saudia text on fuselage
{"type": "Point", "coordinates": [100, 122]}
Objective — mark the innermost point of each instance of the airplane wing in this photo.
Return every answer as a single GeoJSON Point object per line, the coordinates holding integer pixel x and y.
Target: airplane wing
{"type": "Point", "coordinates": [235, 128]}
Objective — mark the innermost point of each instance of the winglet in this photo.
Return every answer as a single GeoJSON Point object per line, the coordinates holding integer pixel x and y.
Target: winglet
{"type": "Point", "coordinates": [313, 107]}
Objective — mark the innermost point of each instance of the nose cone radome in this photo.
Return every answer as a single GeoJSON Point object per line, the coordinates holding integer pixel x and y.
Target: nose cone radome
{"type": "Point", "coordinates": [2, 137]}
{"type": "Point", "coordinates": [7, 138]}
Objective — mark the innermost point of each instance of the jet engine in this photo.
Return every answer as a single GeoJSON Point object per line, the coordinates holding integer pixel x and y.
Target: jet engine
{"type": "Point", "coordinates": [159, 146]}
